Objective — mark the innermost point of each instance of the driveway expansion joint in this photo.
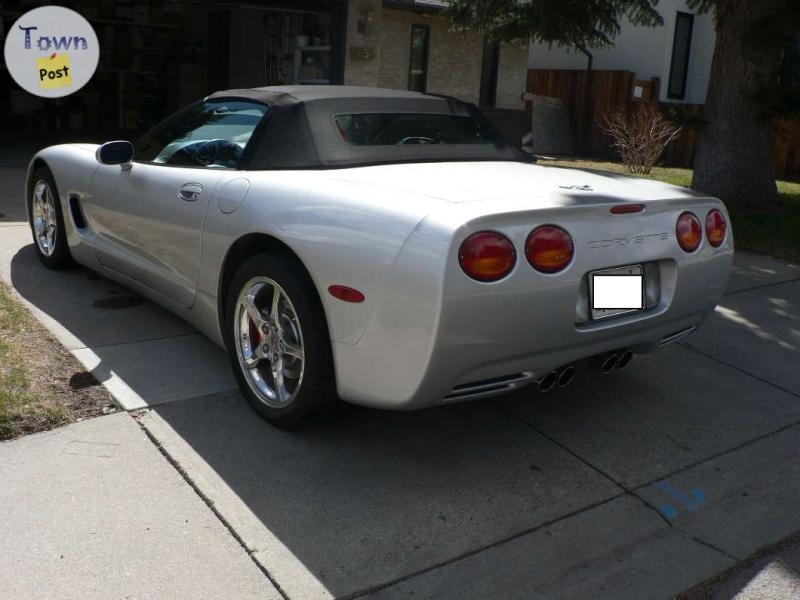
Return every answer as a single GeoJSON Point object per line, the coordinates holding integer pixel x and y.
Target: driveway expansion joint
{"type": "Point", "coordinates": [633, 492]}
{"type": "Point", "coordinates": [565, 448]}
{"type": "Point", "coordinates": [720, 454]}
{"type": "Point", "coordinates": [687, 346]}
{"type": "Point", "coordinates": [142, 341]}
{"type": "Point", "coordinates": [761, 287]}
{"type": "Point", "coordinates": [627, 491]}
{"type": "Point", "coordinates": [208, 502]}
{"type": "Point", "coordinates": [709, 545]}
{"type": "Point", "coordinates": [475, 551]}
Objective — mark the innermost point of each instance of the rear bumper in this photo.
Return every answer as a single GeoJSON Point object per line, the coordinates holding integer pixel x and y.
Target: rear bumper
{"type": "Point", "coordinates": [455, 374]}
{"type": "Point", "coordinates": [436, 332]}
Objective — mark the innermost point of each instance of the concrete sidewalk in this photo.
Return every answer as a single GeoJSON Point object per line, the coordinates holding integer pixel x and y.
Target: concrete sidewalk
{"type": "Point", "coordinates": [636, 485]}
{"type": "Point", "coordinates": [93, 510]}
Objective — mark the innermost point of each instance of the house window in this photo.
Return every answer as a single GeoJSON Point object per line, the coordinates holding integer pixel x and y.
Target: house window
{"type": "Point", "coordinates": [418, 61]}
{"type": "Point", "coordinates": [681, 46]}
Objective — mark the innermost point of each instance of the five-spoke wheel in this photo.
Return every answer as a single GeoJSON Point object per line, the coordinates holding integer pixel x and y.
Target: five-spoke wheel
{"type": "Point", "coordinates": [43, 217]}
{"type": "Point", "coordinates": [277, 337]}
{"type": "Point", "coordinates": [47, 220]}
{"type": "Point", "coordinates": [269, 341]}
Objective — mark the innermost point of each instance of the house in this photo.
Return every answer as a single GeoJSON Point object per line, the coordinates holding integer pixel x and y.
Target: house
{"type": "Point", "coordinates": [157, 57]}
{"type": "Point", "coordinates": [409, 45]}
{"type": "Point", "coordinates": [670, 64]}
{"type": "Point", "coordinates": [678, 54]}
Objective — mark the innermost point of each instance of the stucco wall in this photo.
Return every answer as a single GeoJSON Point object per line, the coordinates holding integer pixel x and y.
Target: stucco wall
{"type": "Point", "coordinates": [646, 51]}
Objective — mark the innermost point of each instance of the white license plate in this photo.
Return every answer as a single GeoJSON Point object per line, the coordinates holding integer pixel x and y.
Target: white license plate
{"type": "Point", "coordinates": [616, 291]}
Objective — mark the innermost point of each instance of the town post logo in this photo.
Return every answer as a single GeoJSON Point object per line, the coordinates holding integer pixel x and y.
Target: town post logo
{"type": "Point", "coordinates": [51, 51]}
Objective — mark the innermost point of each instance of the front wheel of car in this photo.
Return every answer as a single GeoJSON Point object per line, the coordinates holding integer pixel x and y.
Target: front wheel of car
{"type": "Point", "coordinates": [47, 221]}
{"type": "Point", "coordinates": [278, 341]}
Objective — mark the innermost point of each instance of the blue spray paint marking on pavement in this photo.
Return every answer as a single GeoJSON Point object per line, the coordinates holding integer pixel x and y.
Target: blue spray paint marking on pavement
{"type": "Point", "coordinates": [692, 503]}
{"type": "Point", "coordinates": [668, 511]}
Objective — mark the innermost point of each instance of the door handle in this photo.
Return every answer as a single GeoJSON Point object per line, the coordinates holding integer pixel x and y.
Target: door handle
{"type": "Point", "coordinates": [190, 192]}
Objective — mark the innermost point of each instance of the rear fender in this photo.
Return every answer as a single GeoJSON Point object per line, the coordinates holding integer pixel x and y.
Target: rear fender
{"type": "Point", "coordinates": [337, 230]}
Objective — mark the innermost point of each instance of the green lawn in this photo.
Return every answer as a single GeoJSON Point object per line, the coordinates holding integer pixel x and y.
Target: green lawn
{"type": "Point", "coordinates": [768, 232]}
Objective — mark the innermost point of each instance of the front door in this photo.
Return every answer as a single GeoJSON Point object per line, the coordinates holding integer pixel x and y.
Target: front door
{"type": "Point", "coordinates": [149, 223]}
{"type": "Point", "coordinates": [148, 219]}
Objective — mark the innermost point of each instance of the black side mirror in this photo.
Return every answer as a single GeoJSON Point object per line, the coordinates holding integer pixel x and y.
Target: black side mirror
{"type": "Point", "coordinates": [115, 153]}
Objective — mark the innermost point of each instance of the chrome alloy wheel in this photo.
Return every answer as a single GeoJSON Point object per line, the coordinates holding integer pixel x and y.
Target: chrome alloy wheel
{"type": "Point", "coordinates": [269, 343]}
{"type": "Point", "coordinates": [43, 217]}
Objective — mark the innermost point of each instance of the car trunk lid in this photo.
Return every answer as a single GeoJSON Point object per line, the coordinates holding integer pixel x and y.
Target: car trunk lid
{"type": "Point", "coordinates": [460, 182]}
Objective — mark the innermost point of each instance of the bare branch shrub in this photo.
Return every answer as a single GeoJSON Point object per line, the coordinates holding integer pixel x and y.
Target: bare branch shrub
{"type": "Point", "coordinates": [640, 136]}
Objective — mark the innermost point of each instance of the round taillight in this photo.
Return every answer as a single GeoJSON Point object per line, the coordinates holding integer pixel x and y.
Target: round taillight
{"type": "Point", "coordinates": [487, 256]}
{"type": "Point", "coordinates": [549, 249]}
{"type": "Point", "coordinates": [688, 231]}
{"type": "Point", "coordinates": [715, 227]}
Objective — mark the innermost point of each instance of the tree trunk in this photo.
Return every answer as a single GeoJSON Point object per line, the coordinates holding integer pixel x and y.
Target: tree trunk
{"type": "Point", "coordinates": [735, 153]}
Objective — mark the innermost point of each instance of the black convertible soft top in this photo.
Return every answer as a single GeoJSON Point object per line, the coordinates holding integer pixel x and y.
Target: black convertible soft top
{"type": "Point", "coordinates": [299, 130]}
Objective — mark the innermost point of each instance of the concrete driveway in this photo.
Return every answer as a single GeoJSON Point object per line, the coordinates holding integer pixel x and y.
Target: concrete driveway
{"type": "Point", "coordinates": [637, 484]}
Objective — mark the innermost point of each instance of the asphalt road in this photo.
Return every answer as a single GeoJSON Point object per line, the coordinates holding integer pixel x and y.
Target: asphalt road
{"type": "Point", "coordinates": [637, 484]}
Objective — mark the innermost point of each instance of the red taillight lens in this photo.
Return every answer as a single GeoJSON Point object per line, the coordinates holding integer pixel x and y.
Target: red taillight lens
{"type": "Point", "coordinates": [715, 227]}
{"type": "Point", "coordinates": [549, 249]}
{"type": "Point", "coordinates": [688, 231]}
{"type": "Point", "coordinates": [487, 256]}
{"type": "Point", "coordinates": [626, 209]}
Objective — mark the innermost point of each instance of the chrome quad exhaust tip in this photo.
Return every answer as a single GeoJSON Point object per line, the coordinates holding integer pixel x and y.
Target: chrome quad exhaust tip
{"type": "Point", "coordinates": [566, 375]}
{"type": "Point", "coordinates": [611, 361]}
{"type": "Point", "coordinates": [624, 359]}
{"type": "Point", "coordinates": [606, 362]}
{"type": "Point", "coordinates": [560, 377]}
{"type": "Point", "coordinates": [547, 381]}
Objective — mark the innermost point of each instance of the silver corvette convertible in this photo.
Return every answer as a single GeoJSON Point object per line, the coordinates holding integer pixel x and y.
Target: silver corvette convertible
{"type": "Point", "coordinates": [383, 247]}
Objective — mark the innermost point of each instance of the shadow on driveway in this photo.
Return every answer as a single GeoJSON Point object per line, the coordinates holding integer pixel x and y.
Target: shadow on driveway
{"type": "Point", "coordinates": [147, 355]}
{"type": "Point", "coordinates": [367, 498]}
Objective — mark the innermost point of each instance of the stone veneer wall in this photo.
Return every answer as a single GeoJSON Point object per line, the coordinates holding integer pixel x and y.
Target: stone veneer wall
{"type": "Point", "coordinates": [358, 72]}
{"type": "Point", "coordinates": [512, 76]}
{"type": "Point", "coordinates": [454, 63]}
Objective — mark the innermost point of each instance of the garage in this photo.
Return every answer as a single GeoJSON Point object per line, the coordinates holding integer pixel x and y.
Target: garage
{"type": "Point", "coordinates": [158, 56]}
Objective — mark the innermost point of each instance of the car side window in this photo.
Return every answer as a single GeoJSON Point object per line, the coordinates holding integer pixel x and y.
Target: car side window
{"type": "Point", "coordinates": [210, 134]}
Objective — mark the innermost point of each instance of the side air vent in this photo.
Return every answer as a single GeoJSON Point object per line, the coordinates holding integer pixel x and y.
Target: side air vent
{"type": "Point", "coordinates": [77, 213]}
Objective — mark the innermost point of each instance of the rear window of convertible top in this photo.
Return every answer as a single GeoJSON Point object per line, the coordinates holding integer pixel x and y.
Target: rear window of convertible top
{"type": "Point", "coordinates": [389, 129]}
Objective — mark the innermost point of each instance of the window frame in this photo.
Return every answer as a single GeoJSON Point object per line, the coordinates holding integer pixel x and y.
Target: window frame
{"type": "Point", "coordinates": [426, 57]}
{"type": "Point", "coordinates": [673, 94]}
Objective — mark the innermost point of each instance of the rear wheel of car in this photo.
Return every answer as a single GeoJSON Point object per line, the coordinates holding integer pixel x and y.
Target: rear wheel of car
{"type": "Point", "coordinates": [277, 340]}
{"type": "Point", "coordinates": [47, 221]}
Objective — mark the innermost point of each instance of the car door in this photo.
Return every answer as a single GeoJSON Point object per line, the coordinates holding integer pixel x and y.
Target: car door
{"type": "Point", "coordinates": [148, 216]}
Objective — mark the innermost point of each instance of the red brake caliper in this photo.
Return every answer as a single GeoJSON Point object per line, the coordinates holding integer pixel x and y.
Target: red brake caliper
{"type": "Point", "coordinates": [255, 334]}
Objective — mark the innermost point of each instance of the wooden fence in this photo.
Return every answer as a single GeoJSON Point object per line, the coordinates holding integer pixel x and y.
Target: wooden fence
{"type": "Point", "coordinates": [620, 90]}
{"type": "Point", "coordinates": [611, 90]}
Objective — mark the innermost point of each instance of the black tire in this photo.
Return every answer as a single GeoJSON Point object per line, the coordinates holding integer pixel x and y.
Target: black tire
{"type": "Point", "coordinates": [316, 393]}
{"type": "Point", "coordinates": [60, 258]}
